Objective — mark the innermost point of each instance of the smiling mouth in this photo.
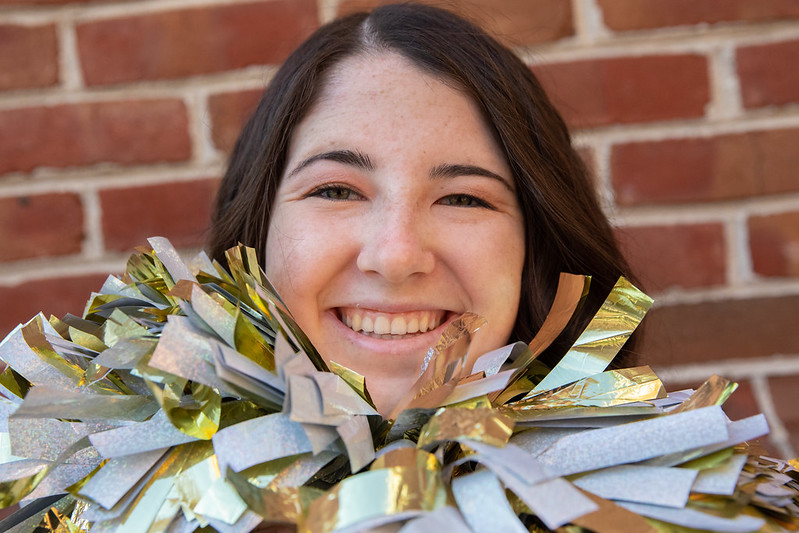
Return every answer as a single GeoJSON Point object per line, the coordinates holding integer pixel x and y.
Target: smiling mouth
{"type": "Point", "coordinates": [390, 326]}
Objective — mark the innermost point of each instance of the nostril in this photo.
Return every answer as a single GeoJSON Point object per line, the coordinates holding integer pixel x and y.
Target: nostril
{"type": "Point", "coordinates": [395, 258]}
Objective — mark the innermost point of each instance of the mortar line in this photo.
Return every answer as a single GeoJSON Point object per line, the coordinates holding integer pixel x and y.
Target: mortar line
{"type": "Point", "coordinates": [765, 402]}
{"type": "Point", "coordinates": [94, 240]}
{"type": "Point", "coordinates": [738, 252]}
{"type": "Point", "coordinates": [724, 83]}
{"type": "Point", "coordinates": [70, 73]}
{"type": "Point", "coordinates": [661, 41]}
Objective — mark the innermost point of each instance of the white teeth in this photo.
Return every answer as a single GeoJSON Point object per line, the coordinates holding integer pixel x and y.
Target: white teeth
{"type": "Point", "coordinates": [382, 325]}
{"type": "Point", "coordinates": [398, 326]}
{"type": "Point", "coordinates": [367, 325]}
{"type": "Point", "coordinates": [424, 322]}
{"type": "Point", "coordinates": [386, 325]}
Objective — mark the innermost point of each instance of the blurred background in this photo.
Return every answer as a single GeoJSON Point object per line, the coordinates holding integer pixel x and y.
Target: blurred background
{"type": "Point", "coordinates": [117, 117]}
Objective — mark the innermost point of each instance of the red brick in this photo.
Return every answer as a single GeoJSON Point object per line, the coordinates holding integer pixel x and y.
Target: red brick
{"type": "Point", "coordinates": [785, 391]}
{"type": "Point", "coordinates": [774, 243]}
{"type": "Point", "coordinates": [229, 112]}
{"type": "Point", "coordinates": [124, 132]}
{"type": "Point", "coordinates": [717, 330]}
{"type": "Point", "coordinates": [29, 58]}
{"type": "Point", "coordinates": [53, 296]}
{"type": "Point", "coordinates": [42, 225]}
{"type": "Point", "coordinates": [686, 256]}
{"type": "Point", "coordinates": [623, 15]}
{"type": "Point", "coordinates": [702, 169]}
{"type": "Point", "coordinates": [742, 403]}
{"type": "Point", "coordinates": [45, 2]}
{"type": "Point", "coordinates": [600, 92]}
{"type": "Point", "coordinates": [179, 211]}
{"type": "Point", "coordinates": [793, 437]}
{"type": "Point", "coordinates": [588, 155]}
{"type": "Point", "coordinates": [768, 73]}
{"type": "Point", "coordinates": [188, 42]}
{"type": "Point", "coordinates": [516, 22]}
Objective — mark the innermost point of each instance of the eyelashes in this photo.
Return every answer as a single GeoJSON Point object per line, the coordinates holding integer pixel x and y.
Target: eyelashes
{"type": "Point", "coordinates": [464, 200]}
{"type": "Point", "coordinates": [335, 192]}
{"type": "Point", "coordinates": [342, 193]}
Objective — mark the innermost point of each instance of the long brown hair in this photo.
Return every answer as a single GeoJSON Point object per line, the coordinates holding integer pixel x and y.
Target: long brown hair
{"type": "Point", "coordinates": [566, 231]}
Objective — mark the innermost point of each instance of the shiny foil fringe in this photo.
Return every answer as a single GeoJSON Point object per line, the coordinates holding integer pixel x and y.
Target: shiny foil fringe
{"type": "Point", "coordinates": [186, 397]}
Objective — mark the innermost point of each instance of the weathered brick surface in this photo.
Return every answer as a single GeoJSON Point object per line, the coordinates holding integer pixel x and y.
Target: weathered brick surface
{"type": "Point", "coordinates": [520, 22]}
{"type": "Point", "coordinates": [742, 403]}
{"type": "Point", "coordinates": [768, 73]}
{"type": "Point", "coordinates": [229, 112]}
{"type": "Point", "coordinates": [188, 42]}
{"type": "Point", "coordinates": [52, 296]}
{"type": "Point", "coordinates": [793, 433]}
{"type": "Point", "coordinates": [40, 225]}
{"type": "Point", "coordinates": [685, 256]}
{"type": "Point", "coordinates": [29, 56]}
{"type": "Point", "coordinates": [774, 242]}
{"type": "Point", "coordinates": [179, 211]}
{"type": "Point", "coordinates": [47, 2]}
{"type": "Point", "coordinates": [588, 155]}
{"type": "Point", "coordinates": [667, 72]}
{"type": "Point", "coordinates": [786, 388]}
{"type": "Point", "coordinates": [644, 14]}
{"type": "Point", "coordinates": [785, 391]}
{"type": "Point", "coordinates": [622, 90]}
{"type": "Point", "coordinates": [705, 169]}
{"type": "Point", "coordinates": [717, 330]}
{"type": "Point", "coordinates": [124, 132]}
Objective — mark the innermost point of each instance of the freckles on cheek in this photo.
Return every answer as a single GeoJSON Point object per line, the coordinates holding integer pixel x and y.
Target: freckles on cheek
{"type": "Point", "coordinates": [284, 273]}
{"type": "Point", "coordinates": [279, 251]}
{"type": "Point", "coordinates": [294, 252]}
{"type": "Point", "coordinates": [285, 234]}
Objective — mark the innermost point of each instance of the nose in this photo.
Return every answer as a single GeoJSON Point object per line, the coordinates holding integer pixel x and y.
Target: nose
{"type": "Point", "coordinates": [397, 244]}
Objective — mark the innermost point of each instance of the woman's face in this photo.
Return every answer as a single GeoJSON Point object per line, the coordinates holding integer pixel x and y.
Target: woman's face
{"type": "Point", "coordinates": [396, 213]}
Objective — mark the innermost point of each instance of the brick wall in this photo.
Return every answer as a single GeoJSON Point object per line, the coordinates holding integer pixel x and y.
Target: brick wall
{"type": "Point", "coordinates": [116, 118]}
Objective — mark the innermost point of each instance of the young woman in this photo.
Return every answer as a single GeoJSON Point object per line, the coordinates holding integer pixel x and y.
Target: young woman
{"type": "Point", "coordinates": [402, 168]}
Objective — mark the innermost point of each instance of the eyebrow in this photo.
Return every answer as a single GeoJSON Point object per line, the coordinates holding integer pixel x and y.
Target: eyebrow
{"type": "Point", "coordinates": [447, 170]}
{"type": "Point", "coordinates": [360, 160]}
{"type": "Point", "coordinates": [347, 157]}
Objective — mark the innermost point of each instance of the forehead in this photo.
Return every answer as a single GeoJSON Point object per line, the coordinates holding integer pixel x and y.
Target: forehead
{"type": "Point", "coordinates": [375, 77]}
{"type": "Point", "coordinates": [378, 64]}
{"type": "Point", "coordinates": [373, 96]}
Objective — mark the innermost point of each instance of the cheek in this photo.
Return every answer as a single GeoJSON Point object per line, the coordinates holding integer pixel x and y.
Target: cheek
{"type": "Point", "coordinates": [504, 272]}
{"type": "Point", "coordinates": [493, 270]}
{"type": "Point", "coordinates": [490, 264]}
{"type": "Point", "coordinates": [302, 258]}
{"type": "Point", "coordinates": [287, 264]}
{"type": "Point", "coordinates": [275, 254]}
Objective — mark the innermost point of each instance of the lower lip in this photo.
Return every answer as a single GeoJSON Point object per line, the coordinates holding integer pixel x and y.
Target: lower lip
{"type": "Point", "coordinates": [416, 343]}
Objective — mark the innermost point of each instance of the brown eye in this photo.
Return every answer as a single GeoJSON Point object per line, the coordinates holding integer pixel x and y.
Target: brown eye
{"type": "Point", "coordinates": [335, 192]}
{"type": "Point", "coordinates": [463, 200]}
